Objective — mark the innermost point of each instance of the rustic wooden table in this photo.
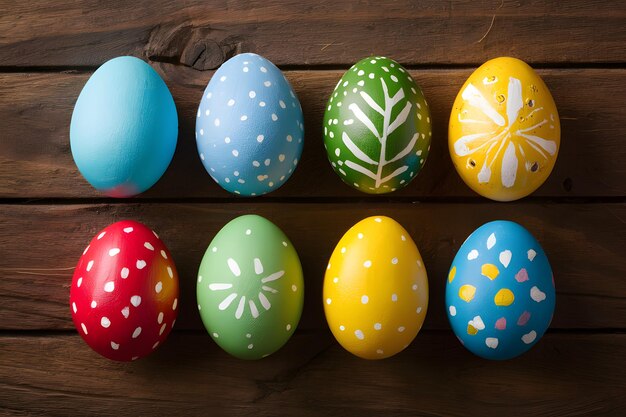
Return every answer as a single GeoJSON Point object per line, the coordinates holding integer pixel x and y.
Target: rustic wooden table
{"type": "Point", "coordinates": [48, 212]}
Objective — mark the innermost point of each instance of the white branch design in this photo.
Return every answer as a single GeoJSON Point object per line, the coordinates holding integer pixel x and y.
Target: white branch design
{"type": "Point", "coordinates": [389, 126]}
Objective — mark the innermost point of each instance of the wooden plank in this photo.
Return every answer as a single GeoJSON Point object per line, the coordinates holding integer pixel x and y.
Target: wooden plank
{"type": "Point", "coordinates": [585, 243]}
{"type": "Point", "coordinates": [35, 159]}
{"type": "Point", "coordinates": [202, 34]}
{"type": "Point", "coordinates": [564, 374]}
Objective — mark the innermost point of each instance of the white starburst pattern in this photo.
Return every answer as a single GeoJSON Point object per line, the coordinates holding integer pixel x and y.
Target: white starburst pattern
{"type": "Point", "coordinates": [503, 136]}
{"type": "Point", "coordinates": [259, 296]}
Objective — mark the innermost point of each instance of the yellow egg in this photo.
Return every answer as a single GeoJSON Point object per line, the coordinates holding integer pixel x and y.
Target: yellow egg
{"type": "Point", "coordinates": [375, 289]}
{"type": "Point", "coordinates": [504, 131]}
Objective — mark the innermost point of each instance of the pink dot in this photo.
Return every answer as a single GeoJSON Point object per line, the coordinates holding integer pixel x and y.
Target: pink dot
{"type": "Point", "coordinates": [501, 323]}
{"type": "Point", "coordinates": [522, 275]}
{"type": "Point", "coordinates": [523, 319]}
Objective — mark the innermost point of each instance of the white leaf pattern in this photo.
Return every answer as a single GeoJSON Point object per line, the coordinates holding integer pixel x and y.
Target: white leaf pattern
{"type": "Point", "coordinates": [389, 126]}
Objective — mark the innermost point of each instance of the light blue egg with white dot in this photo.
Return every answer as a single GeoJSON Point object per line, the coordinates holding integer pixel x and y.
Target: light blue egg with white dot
{"type": "Point", "coordinates": [249, 126]}
{"type": "Point", "coordinates": [500, 294]}
{"type": "Point", "coordinates": [124, 128]}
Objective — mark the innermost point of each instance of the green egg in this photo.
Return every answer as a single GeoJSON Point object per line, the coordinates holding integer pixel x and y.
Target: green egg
{"type": "Point", "coordinates": [250, 288]}
{"type": "Point", "coordinates": [377, 126]}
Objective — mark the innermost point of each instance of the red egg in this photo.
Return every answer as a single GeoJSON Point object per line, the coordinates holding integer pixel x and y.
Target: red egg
{"type": "Point", "coordinates": [124, 293]}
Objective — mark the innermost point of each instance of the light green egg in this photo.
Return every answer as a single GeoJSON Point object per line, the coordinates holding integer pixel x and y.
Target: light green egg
{"type": "Point", "coordinates": [250, 288]}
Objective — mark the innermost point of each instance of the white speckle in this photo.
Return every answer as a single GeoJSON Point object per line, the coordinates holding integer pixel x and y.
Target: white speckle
{"type": "Point", "coordinates": [267, 83]}
{"type": "Point", "coordinates": [74, 307]}
{"type": "Point", "coordinates": [373, 61]}
{"type": "Point", "coordinates": [223, 78]}
{"type": "Point", "coordinates": [231, 102]}
{"type": "Point", "coordinates": [343, 249]}
{"type": "Point", "coordinates": [401, 329]}
{"type": "Point", "coordinates": [472, 255]}
{"type": "Point", "coordinates": [252, 94]}
{"type": "Point", "coordinates": [160, 318]}
{"type": "Point", "coordinates": [201, 132]}
{"type": "Point", "coordinates": [243, 118]}
{"type": "Point", "coordinates": [105, 322]}
{"type": "Point", "coordinates": [414, 287]}
{"type": "Point", "coordinates": [371, 75]}
{"type": "Point", "coordinates": [201, 156]}
{"type": "Point", "coordinates": [394, 297]}
{"type": "Point", "coordinates": [248, 232]}
{"type": "Point", "coordinates": [360, 235]}
{"type": "Point", "coordinates": [79, 282]}
{"type": "Point", "coordinates": [135, 300]}
{"type": "Point", "coordinates": [289, 138]}
{"type": "Point", "coordinates": [360, 73]}
{"type": "Point", "coordinates": [452, 310]}
{"type": "Point", "coordinates": [101, 235]}
{"type": "Point", "coordinates": [235, 152]}
{"type": "Point", "coordinates": [328, 301]}
{"type": "Point", "coordinates": [216, 122]}
{"type": "Point", "coordinates": [491, 240]}
{"type": "Point", "coordinates": [246, 69]}
{"type": "Point", "coordinates": [282, 104]}
{"type": "Point", "coordinates": [215, 335]}
{"type": "Point", "coordinates": [378, 326]}
{"type": "Point", "coordinates": [342, 328]}
{"type": "Point", "coordinates": [94, 304]}
{"type": "Point", "coordinates": [505, 258]}
{"type": "Point", "coordinates": [175, 304]}
{"type": "Point", "coordinates": [284, 243]}
{"type": "Point", "coordinates": [141, 264]}
{"type": "Point", "coordinates": [418, 310]}
{"type": "Point", "coordinates": [148, 246]}
{"type": "Point", "coordinates": [267, 162]}
{"type": "Point", "coordinates": [84, 328]}
{"type": "Point", "coordinates": [109, 286]}
{"type": "Point", "coordinates": [137, 332]}
{"type": "Point", "coordinates": [537, 295]}
{"type": "Point", "coordinates": [394, 78]}
{"type": "Point", "coordinates": [250, 346]}
{"type": "Point", "coordinates": [263, 69]}
{"type": "Point", "coordinates": [294, 288]}
{"type": "Point", "coordinates": [162, 329]}
{"type": "Point", "coordinates": [163, 254]}
{"type": "Point", "coordinates": [89, 265]}
{"type": "Point", "coordinates": [126, 312]}
{"type": "Point", "coordinates": [359, 334]}
{"type": "Point", "coordinates": [206, 113]}
{"type": "Point", "coordinates": [364, 299]}
{"type": "Point", "coordinates": [491, 342]}
{"type": "Point", "coordinates": [114, 346]}
{"type": "Point", "coordinates": [226, 180]}
{"type": "Point", "coordinates": [274, 117]}
{"type": "Point", "coordinates": [403, 238]}
{"type": "Point", "coordinates": [261, 104]}
{"type": "Point", "coordinates": [531, 254]}
{"type": "Point", "coordinates": [394, 261]}
{"type": "Point", "coordinates": [158, 287]}
{"type": "Point", "coordinates": [367, 263]}
{"type": "Point", "coordinates": [379, 351]}
{"type": "Point", "coordinates": [529, 337]}
{"type": "Point", "coordinates": [288, 327]}
{"type": "Point", "coordinates": [170, 272]}
{"type": "Point", "coordinates": [114, 251]}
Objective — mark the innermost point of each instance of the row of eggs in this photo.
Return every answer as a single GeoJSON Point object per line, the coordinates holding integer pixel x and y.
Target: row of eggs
{"type": "Point", "coordinates": [503, 136]}
{"type": "Point", "coordinates": [124, 295]}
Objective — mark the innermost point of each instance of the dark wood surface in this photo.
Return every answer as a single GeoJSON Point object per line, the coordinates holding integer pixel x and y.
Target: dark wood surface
{"type": "Point", "coordinates": [48, 213]}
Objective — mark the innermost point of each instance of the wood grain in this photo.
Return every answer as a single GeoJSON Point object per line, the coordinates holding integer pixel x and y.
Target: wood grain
{"type": "Point", "coordinates": [36, 162]}
{"type": "Point", "coordinates": [585, 245]}
{"type": "Point", "coordinates": [562, 375]}
{"type": "Point", "coordinates": [203, 34]}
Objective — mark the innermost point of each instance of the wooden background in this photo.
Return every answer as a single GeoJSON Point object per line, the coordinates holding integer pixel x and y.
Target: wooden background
{"type": "Point", "coordinates": [48, 213]}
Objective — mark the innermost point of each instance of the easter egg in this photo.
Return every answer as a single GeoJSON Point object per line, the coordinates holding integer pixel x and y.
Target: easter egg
{"type": "Point", "coordinates": [124, 128]}
{"type": "Point", "coordinates": [124, 293]}
{"type": "Point", "coordinates": [504, 131]}
{"type": "Point", "coordinates": [377, 126]}
{"type": "Point", "coordinates": [500, 292]}
{"type": "Point", "coordinates": [250, 288]}
{"type": "Point", "coordinates": [375, 289]}
{"type": "Point", "coordinates": [249, 126]}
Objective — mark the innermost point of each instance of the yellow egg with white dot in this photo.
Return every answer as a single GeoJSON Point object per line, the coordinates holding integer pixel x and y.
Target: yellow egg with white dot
{"type": "Point", "coordinates": [375, 289]}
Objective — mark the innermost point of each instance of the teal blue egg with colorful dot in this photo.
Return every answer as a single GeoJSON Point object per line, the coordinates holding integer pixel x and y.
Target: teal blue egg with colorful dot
{"type": "Point", "coordinates": [500, 294]}
{"type": "Point", "coordinates": [249, 126]}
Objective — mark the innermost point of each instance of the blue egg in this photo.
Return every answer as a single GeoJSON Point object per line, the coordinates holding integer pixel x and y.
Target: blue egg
{"type": "Point", "coordinates": [249, 126]}
{"type": "Point", "coordinates": [500, 292]}
{"type": "Point", "coordinates": [124, 128]}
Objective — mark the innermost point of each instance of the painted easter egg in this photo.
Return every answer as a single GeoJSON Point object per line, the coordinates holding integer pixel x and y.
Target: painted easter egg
{"type": "Point", "coordinates": [250, 288]}
{"type": "Point", "coordinates": [500, 292]}
{"type": "Point", "coordinates": [124, 293]}
{"type": "Point", "coordinates": [124, 128]}
{"type": "Point", "coordinates": [504, 131]}
{"type": "Point", "coordinates": [375, 289]}
{"type": "Point", "coordinates": [377, 126]}
{"type": "Point", "coordinates": [249, 126]}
